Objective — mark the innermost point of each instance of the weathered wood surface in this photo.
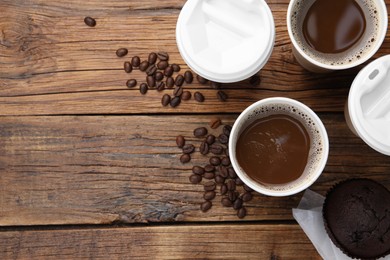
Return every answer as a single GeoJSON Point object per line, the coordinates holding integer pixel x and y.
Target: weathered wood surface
{"type": "Point", "coordinates": [166, 242]}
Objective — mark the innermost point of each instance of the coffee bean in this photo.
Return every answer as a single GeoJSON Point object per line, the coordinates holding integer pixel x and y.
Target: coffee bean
{"type": "Point", "coordinates": [151, 81]}
{"type": "Point", "coordinates": [232, 195]}
{"type": "Point", "coordinates": [247, 196]}
{"type": "Point", "coordinates": [226, 202]}
{"type": "Point", "coordinates": [175, 101]}
{"type": "Point", "coordinates": [209, 175]}
{"type": "Point", "coordinates": [144, 65]}
{"type": "Point", "coordinates": [205, 206]}
{"type": "Point", "coordinates": [199, 96]}
{"type": "Point", "coordinates": [225, 161]}
{"type": "Point", "coordinates": [201, 80]}
{"type": "Point", "coordinates": [239, 182]}
{"type": "Point", "coordinates": [224, 189]}
{"type": "Point", "coordinates": [237, 204]}
{"type": "Point", "coordinates": [175, 67]}
{"type": "Point", "coordinates": [127, 67]}
{"type": "Point", "coordinates": [179, 80]}
{"type": "Point", "coordinates": [90, 21]}
{"type": "Point", "coordinates": [200, 131]}
{"type": "Point", "coordinates": [198, 170]}
{"type": "Point", "coordinates": [159, 76]}
{"type": "Point", "coordinates": [215, 85]}
{"type": "Point", "coordinates": [215, 161]}
{"type": "Point", "coordinates": [209, 195]}
{"type": "Point", "coordinates": [219, 179]}
{"type": "Point", "coordinates": [241, 213]}
{"type": "Point", "coordinates": [143, 88]}
{"type": "Point", "coordinates": [188, 77]}
{"type": "Point", "coordinates": [152, 58]}
{"type": "Point", "coordinates": [195, 179]}
{"type": "Point", "coordinates": [204, 148]}
{"type": "Point", "coordinates": [231, 185]}
{"type": "Point", "coordinates": [209, 186]}
{"type": "Point", "coordinates": [121, 52]}
{"type": "Point", "coordinates": [135, 61]}
{"type": "Point", "coordinates": [247, 188]}
{"type": "Point", "coordinates": [223, 139]}
{"type": "Point", "coordinates": [255, 80]}
{"type": "Point", "coordinates": [188, 148]}
{"type": "Point", "coordinates": [215, 123]}
{"type": "Point", "coordinates": [170, 82]}
{"type": "Point", "coordinates": [151, 70]}
{"type": "Point", "coordinates": [168, 71]}
{"type": "Point", "coordinates": [216, 149]}
{"type": "Point", "coordinates": [180, 141]}
{"type": "Point", "coordinates": [161, 86]}
{"type": "Point", "coordinates": [223, 171]}
{"type": "Point", "coordinates": [165, 100]}
{"type": "Point", "coordinates": [185, 158]}
{"type": "Point", "coordinates": [227, 129]}
{"type": "Point", "coordinates": [162, 65]}
{"type": "Point", "coordinates": [209, 168]}
{"type": "Point", "coordinates": [210, 139]}
{"type": "Point", "coordinates": [232, 173]}
{"type": "Point", "coordinates": [186, 95]}
{"type": "Point", "coordinates": [163, 56]}
{"type": "Point", "coordinates": [222, 96]}
{"type": "Point", "coordinates": [131, 83]}
{"type": "Point", "coordinates": [178, 91]}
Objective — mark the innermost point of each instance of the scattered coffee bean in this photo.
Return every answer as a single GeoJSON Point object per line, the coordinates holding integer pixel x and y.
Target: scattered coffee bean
{"type": "Point", "coordinates": [205, 206]}
{"type": "Point", "coordinates": [144, 65]}
{"type": "Point", "coordinates": [247, 188]}
{"type": "Point", "coordinates": [127, 67]}
{"type": "Point", "coordinates": [239, 182]}
{"type": "Point", "coordinates": [223, 139]}
{"type": "Point", "coordinates": [222, 96]}
{"type": "Point", "coordinates": [215, 123]}
{"type": "Point", "coordinates": [224, 189]}
{"type": "Point", "coordinates": [131, 83]}
{"type": "Point", "coordinates": [168, 71]}
{"type": "Point", "coordinates": [161, 86]}
{"type": "Point", "coordinates": [162, 65]}
{"type": "Point", "coordinates": [198, 170]}
{"type": "Point", "coordinates": [186, 95]}
{"type": "Point", "coordinates": [204, 148]}
{"type": "Point", "coordinates": [226, 202]}
{"type": "Point", "coordinates": [209, 168]}
{"type": "Point", "coordinates": [219, 179]}
{"type": "Point", "coordinates": [175, 67]}
{"type": "Point", "coordinates": [179, 80]}
{"type": "Point", "coordinates": [185, 158]}
{"type": "Point", "coordinates": [180, 141]}
{"type": "Point", "coordinates": [255, 80]}
{"type": "Point", "coordinates": [209, 175]}
{"type": "Point", "coordinates": [178, 91]}
{"type": "Point", "coordinates": [121, 52]}
{"type": "Point", "coordinates": [166, 99]}
{"type": "Point", "coordinates": [151, 81]}
{"type": "Point", "coordinates": [188, 148]}
{"type": "Point", "coordinates": [223, 171]}
{"type": "Point", "coordinates": [231, 185]}
{"type": "Point", "coordinates": [225, 161]}
{"type": "Point", "coordinates": [175, 101]}
{"type": "Point", "coordinates": [215, 161]}
{"type": "Point", "coordinates": [151, 70]}
{"type": "Point", "coordinates": [90, 21]}
{"type": "Point", "coordinates": [195, 179]}
{"type": "Point", "coordinates": [209, 186]}
{"type": "Point", "coordinates": [200, 131]}
{"type": "Point", "coordinates": [170, 82]}
{"type": "Point", "coordinates": [210, 139]}
{"type": "Point", "coordinates": [216, 149]}
{"type": "Point", "coordinates": [135, 61]}
{"type": "Point", "coordinates": [232, 195]}
{"type": "Point", "coordinates": [199, 97]}
{"type": "Point", "coordinates": [188, 77]}
{"type": "Point", "coordinates": [241, 213]}
{"type": "Point", "coordinates": [159, 76]}
{"type": "Point", "coordinates": [143, 88]}
{"type": "Point", "coordinates": [237, 204]}
{"type": "Point", "coordinates": [152, 58]}
{"type": "Point", "coordinates": [163, 56]}
{"type": "Point", "coordinates": [215, 85]}
{"type": "Point", "coordinates": [227, 129]}
{"type": "Point", "coordinates": [201, 80]}
{"type": "Point", "coordinates": [232, 173]}
{"type": "Point", "coordinates": [247, 196]}
{"type": "Point", "coordinates": [209, 195]}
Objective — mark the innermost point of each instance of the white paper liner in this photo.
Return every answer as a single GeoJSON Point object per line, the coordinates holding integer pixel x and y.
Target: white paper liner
{"type": "Point", "coordinates": [309, 217]}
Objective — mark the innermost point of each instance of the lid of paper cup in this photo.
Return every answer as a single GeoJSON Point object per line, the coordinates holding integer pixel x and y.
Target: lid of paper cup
{"type": "Point", "coordinates": [225, 40]}
{"type": "Point", "coordinates": [369, 104]}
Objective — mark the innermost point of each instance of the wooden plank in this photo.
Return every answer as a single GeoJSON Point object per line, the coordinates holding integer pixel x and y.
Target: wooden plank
{"type": "Point", "coordinates": [166, 242]}
{"type": "Point", "coordinates": [106, 169]}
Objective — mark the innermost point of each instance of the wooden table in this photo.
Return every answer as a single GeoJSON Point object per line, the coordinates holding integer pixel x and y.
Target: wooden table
{"type": "Point", "coordinates": [90, 168]}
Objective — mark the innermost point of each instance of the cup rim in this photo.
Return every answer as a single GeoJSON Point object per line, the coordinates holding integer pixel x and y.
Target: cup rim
{"type": "Point", "coordinates": [255, 185]}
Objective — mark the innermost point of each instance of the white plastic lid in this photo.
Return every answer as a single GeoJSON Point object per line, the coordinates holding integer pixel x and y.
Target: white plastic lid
{"type": "Point", "coordinates": [369, 104]}
{"type": "Point", "coordinates": [225, 40]}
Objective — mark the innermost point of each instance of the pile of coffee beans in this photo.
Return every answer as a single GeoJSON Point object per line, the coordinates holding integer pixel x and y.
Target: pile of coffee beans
{"type": "Point", "coordinates": [217, 174]}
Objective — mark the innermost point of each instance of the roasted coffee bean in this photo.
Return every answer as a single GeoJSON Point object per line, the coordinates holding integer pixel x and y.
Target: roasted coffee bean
{"type": "Point", "coordinates": [199, 97]}
{"type": "Point", "coordinates": [216, 149]}
{"type": "Point", "coordinates": [185, 158]}
{"type": "Point", "coordinates": [219, 179]}
{"type": "Point", "coordinates": [178, 91]}
{"type": "Point", "coordinates": [241, 213]}
{"type": "Point", "coordinates": [135, 61]}
{"type": "Point", "coordinates": [247, 196]}
{"type": "Point", "coordinates": [210, 139]}
{"type": "Point", "coordinates": [131, 83]}
{"type": "Point", "coordinates": [195, 179]}
{"type": "Point", "coordinates": [215, 161]}
{"type": "Point", "coordinates": [237, 204]}
{"type": "Point", "coordinates": [165, 100]}
{"type": "Point", "coordinates": [225, 161]}
{"type": "Point", "coordinates": [215, 85]}
{"type": "Point", "coordinates": [188, 148]}
{"type": "Point", "coordinates": [163, 56]}
{"type": "Point", "coordinates": [227, 129]}
{"type": "Point", "coordinates": [224, 189]}
{"type": "Point", "coordinates": [186, 95]}
{"type": "Point", "coordinates": [152, 58]}
{"type": "Point", "coordinates": [232, 195]}
{"type": "Point", "coordinates": [231, 185]}
{"type": "Point", "coordinates": [143, 88]}
{"type": "Point", "coordinates": [223, 139]}
{"type": "Point", "coordinates": [226, 202]}
{"type": "Point", "coordinates": [204, 148]}
{"type": "Point", "coordinates": [162, 65]}
{"type": "Point", "coordinates": [198, 170]}
{"type": "Point", "coordinates": [90, 21]}
{"type": "Point", "coordinates": [168, 71]}
{"type": "Point", "coordinates": [180, 141]}
{"type": "Point", "coordinates": [247, 188]}
{"type": "Point", "coordinates": [175, 67]}
{"type": "Point", "coordinates": [209, 195]}
{"type": "Point", "coordinates": [205, 206]}
{"type": "Point", "coordinates": [151, 70]}
{"type": "Point", "coordinates": [121, 52]}
{"type": "Point", "coordinates": [161, 86]}
{"type": "Point", "coordinates": [201, 80]}
{"type": "Point", "coordinates": [175, 101]}
{"type": "Point", "coordinates": [209, 175]}
{"type": "Point", "coordinates": [170, 82]}
{"type": "Point", "coordinates": [255, 80]}
{"type": "Point", "coordinates": [209, 168]}
{"type": "Point", "coordinates": [232, 173]}
{"type": "Point", "coordinates": [159, 76]}
{"type": "Point", "coordinates": [144, 65]}
{"type": "Point", "coordinates": [222, 96]}
{"type": "Point", "coordinates": [215, 123]}
{"type": "Point", "coordinates": [188, 77]}
{"type": "Point", "coordinates": [200, 131]}
{"type": "Point", "coordinates": [209, 186]}
{"type": "Point", "coordinates": [179, 80]}
{"type": "Point", "coordinates": [151, 81]}
{"type": "Point", "coordinates": [127, 67]}
{"type": "Point", "coordinates": [239, 182]}
{"type": "Point", "coordinates": [223, 171]}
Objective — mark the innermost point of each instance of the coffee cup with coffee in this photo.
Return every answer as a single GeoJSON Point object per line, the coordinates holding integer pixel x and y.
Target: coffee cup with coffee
{"type": "Point", "coordinates": [278, 146]}
{"type": "Point", "coordinates": [332, 35]}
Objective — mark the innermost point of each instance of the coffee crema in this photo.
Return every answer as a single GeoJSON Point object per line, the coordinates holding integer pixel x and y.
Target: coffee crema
{"type": "Point", "coordinates": [274, 149]}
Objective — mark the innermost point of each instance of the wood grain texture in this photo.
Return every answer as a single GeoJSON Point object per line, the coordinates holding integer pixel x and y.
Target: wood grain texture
{"type": "Point", "coordinates": [180, 242]}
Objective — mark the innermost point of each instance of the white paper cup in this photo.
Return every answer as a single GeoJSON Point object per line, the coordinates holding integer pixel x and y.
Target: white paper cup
{"type": "Point", "coordinates": [225, 40]}
{"type": "Point", "coordinates": [375, 12]}
{"type": "Point", "coordinates": [367, 110]}
{"type": "Point", "coordinates": [319, 143]}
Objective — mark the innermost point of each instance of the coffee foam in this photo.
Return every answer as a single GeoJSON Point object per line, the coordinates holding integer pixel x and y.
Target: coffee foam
{"type": "Point", "coordinates": [352, 55]}
{"type": "Point", "coordinates": [317, 144]}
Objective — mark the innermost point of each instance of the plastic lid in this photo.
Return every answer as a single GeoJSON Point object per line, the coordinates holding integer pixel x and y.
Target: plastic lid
{"type": "Point", "coordinates": [369, 104]}
{"type": "Point", "coordinates": [225, 40]}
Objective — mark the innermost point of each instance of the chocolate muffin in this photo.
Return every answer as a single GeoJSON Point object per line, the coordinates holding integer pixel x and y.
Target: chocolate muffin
{"type": "Point", "coordinates": [357, 218]}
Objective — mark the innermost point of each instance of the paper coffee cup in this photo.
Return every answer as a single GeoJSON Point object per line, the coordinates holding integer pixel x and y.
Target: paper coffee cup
{"type": "Point", "coordinates": [367, 110]}
{"type": "Point", "coordinates": [375, 16]}
{"type": "Point", "coordinates": [225, 40]}
{"type": "Point", "coordinates": [317, 155]}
